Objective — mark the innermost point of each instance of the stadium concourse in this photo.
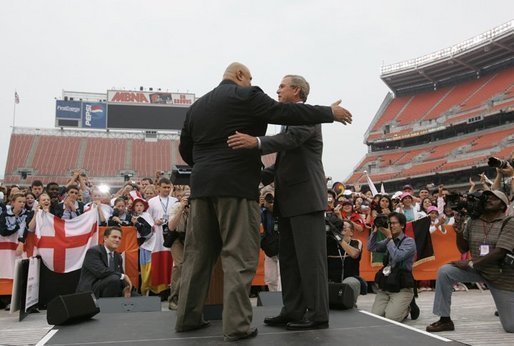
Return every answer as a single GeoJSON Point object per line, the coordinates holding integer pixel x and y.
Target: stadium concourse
{"type": "Point", "coordinates": [447, 112]}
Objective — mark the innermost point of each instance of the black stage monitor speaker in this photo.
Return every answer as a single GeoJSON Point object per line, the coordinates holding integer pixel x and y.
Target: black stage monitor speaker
{"type": "Point", "coordinates": [71, 308]}
{"type": "Point", "coordinates": [269, 299]}
{"type": "Point", "coordinates": [180, 174]}
{"type": "Point", "coordinates": [340, 296]}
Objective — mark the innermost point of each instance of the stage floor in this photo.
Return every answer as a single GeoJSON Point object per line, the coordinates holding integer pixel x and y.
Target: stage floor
{"type": "Point", "coordinates": [350, 327]}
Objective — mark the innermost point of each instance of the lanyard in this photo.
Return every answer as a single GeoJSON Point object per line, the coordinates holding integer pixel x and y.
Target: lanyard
{"type": "Point", "coordinates": [486, 230]}
{"type": "Point", "coordinates": [165, 207]}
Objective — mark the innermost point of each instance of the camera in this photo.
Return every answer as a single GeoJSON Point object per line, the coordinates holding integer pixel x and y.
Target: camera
{"type": "Point", "coordinates": [499, 163]}
{"type": "Point", "coordinates": [382, 221]}
{"type": "Point", "coordinates": [269, 198]}
{"type": "Point", "coordinates": [471, 204]}
{"type": "Point", "coordinates": [333, 226]}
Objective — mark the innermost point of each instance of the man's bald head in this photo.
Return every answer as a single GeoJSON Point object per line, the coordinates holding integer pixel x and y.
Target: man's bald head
{"type": "Point", "coordinates": [239, 74]}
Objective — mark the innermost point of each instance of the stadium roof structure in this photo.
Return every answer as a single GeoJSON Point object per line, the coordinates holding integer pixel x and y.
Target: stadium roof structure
{"type": "Point", "coordinates": [481, 54]}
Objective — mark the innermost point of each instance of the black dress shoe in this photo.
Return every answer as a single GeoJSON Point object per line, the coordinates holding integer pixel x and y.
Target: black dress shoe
{"type": "Point", "coordinates": [277, 321]}
{"type": "Point", "coordinates": [306, 325]}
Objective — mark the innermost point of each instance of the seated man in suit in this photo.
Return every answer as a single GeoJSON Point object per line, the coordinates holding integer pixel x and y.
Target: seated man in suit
{"type": "Point", "coordinates": [102, 270]}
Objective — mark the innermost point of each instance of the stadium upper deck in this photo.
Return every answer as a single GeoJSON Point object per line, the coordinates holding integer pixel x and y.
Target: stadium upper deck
{"type": "Point", "coordinates": [447, 112]}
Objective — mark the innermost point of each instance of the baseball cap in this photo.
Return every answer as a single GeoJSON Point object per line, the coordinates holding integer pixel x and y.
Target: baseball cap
{"type": "Point", "coordinates": [431, 209]}
{"type": "Point", "coordinates": [500, 195]}
{"type": "Point", "coordinates": [405, 194]}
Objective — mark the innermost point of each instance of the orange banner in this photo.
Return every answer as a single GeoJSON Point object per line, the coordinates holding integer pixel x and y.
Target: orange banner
{"type": "Point", "coordinates": [445, 250]}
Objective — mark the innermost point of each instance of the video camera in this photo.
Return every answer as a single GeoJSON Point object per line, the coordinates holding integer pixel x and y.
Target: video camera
{"type": "Point", "coordinates": [471, 204]}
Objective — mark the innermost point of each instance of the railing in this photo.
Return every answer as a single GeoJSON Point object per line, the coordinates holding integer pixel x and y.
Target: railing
{"type": "Point", "coordinates": [450, 51]}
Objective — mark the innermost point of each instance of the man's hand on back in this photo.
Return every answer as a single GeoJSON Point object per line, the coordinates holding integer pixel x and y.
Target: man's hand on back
{"type": "Point", "coordinates": [242, 141]}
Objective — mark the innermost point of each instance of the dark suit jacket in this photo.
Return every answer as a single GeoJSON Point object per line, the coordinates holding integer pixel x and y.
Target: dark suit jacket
{"type": "Point", "coordinates": [300, 186]}
{"type": "Point", "coordinates": [219, 170]}
{"type": "Point", "coordinates": [58, 210]}
{"type": "Point", "coordinates": [96, 267]}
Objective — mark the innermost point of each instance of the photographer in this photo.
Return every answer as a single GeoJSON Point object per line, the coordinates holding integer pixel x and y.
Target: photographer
{"type": "Point", "coordinates": [490, 239]}
{"type": "Point", "coordinates": [395, 279]}
{"type": "Point", "coordinates": [178, 218]}
{"type": "Point", "coordinates": [343, 256]}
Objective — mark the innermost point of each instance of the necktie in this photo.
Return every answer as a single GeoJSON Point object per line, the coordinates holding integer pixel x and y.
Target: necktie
{"type": "Point", "coordinates": [111, 261]}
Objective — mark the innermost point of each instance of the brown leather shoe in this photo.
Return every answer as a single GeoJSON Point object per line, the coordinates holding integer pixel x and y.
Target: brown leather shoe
{"type": "Point", "coordinates": [252, 333]}
{"type": "Point", "coordinates": [441, 326]}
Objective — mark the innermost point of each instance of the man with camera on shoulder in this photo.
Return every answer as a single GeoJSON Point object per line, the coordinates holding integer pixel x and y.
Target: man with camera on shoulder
{"type": "Point", "coordinates": [490, 239]}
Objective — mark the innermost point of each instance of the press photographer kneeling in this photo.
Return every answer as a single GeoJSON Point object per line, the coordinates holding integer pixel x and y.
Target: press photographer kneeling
{"type": "Point", "coordinates": [394, 279]}
{"type": "Point", "coordinates": [489, 235]}
{"type": "Point", "coordinates": [344, 255]}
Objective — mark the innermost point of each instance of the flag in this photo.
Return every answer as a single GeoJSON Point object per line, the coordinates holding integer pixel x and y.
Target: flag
{"type": "Point", "coordinates": [16, 97]}
{"type": "Point", "coordinates": [371, 185]}
{"type": "Point", "coordinates": [156, 262]}
{"type": "Point", "coordinates": [420, 231]}
{"type": "Point", "coordinates": [382, 189]}
{"type": "Point", "coordinates": [63, 244]}
{"type": "Point", "coordinates": [8, 247]}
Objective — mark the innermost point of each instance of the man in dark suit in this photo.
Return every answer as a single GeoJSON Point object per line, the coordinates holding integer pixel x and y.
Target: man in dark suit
{"type": "Point", "coordinates": [224, 192]}
{"type": "Point", "coordinates": [300, 201]}
{"type": "Point", "coordinates": [102, 270]}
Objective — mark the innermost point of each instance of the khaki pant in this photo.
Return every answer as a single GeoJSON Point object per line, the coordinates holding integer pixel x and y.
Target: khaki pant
{"type": "Point", "coordinates": [272, 273]}
{"type": "Point", "coordinates": [177, 253]}
{"type": "Point", "coordinates": [394, 306]}
{"type": "Point", "coordinates": [227, 227]}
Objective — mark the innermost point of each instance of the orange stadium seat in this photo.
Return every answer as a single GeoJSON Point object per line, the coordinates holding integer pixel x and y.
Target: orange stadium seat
{"type": "Point", "coordinates": [490, 140]}
{"type": "Point", "coordinates": [419, 106]}
{"type": "Point", "coordinates": [148, 155]}
{"type": "Point", "coordinates": [422, 168]}
{"type": "Point", "coordinates": [497, 84]}
{"type": "Point", "coordinates": [391, 111]}
{"type": "Point", "coordinates": [19, 148]}
{"type": "Point", "coordinates": [56, 155]}
{"type": "Point", "coordinates": [105, 156]}
{"type": "Point", "coordinates": [467, 163]}
{"type": "Point", "coordinates": [443, 150]}
{"type": "Point", "coordinates": [456, 96]}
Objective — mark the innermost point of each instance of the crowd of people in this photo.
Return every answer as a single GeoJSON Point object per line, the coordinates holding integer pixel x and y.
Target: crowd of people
{"type": "Point", "coordinates": [220, 217]}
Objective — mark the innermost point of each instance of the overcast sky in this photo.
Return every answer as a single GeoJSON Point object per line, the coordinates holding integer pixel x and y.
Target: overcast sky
{"type": "Point", "coordinates": [338, 46]}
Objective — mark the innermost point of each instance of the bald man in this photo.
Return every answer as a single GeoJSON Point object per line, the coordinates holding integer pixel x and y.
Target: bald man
{"type": "Point", "coordinates": [224, 194]}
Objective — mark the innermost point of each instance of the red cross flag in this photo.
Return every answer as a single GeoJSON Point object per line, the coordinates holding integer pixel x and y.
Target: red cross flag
{"type": "Point", "coordinates": [62, 244]}
{"type": "Point", "coordinates": [7, 255]}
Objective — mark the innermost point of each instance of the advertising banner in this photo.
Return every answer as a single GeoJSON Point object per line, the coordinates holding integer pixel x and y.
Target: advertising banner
{"type": "Point", "coordinates": [94, 115]}
{"type": "Point", "coordinates": [150, 97]}
{"type": "Point", "coordinates": [67, 109]}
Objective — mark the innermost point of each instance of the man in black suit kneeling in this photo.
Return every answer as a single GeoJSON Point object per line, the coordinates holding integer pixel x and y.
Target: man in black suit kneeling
{"type": "Point", "coordinates": [102, 270]}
